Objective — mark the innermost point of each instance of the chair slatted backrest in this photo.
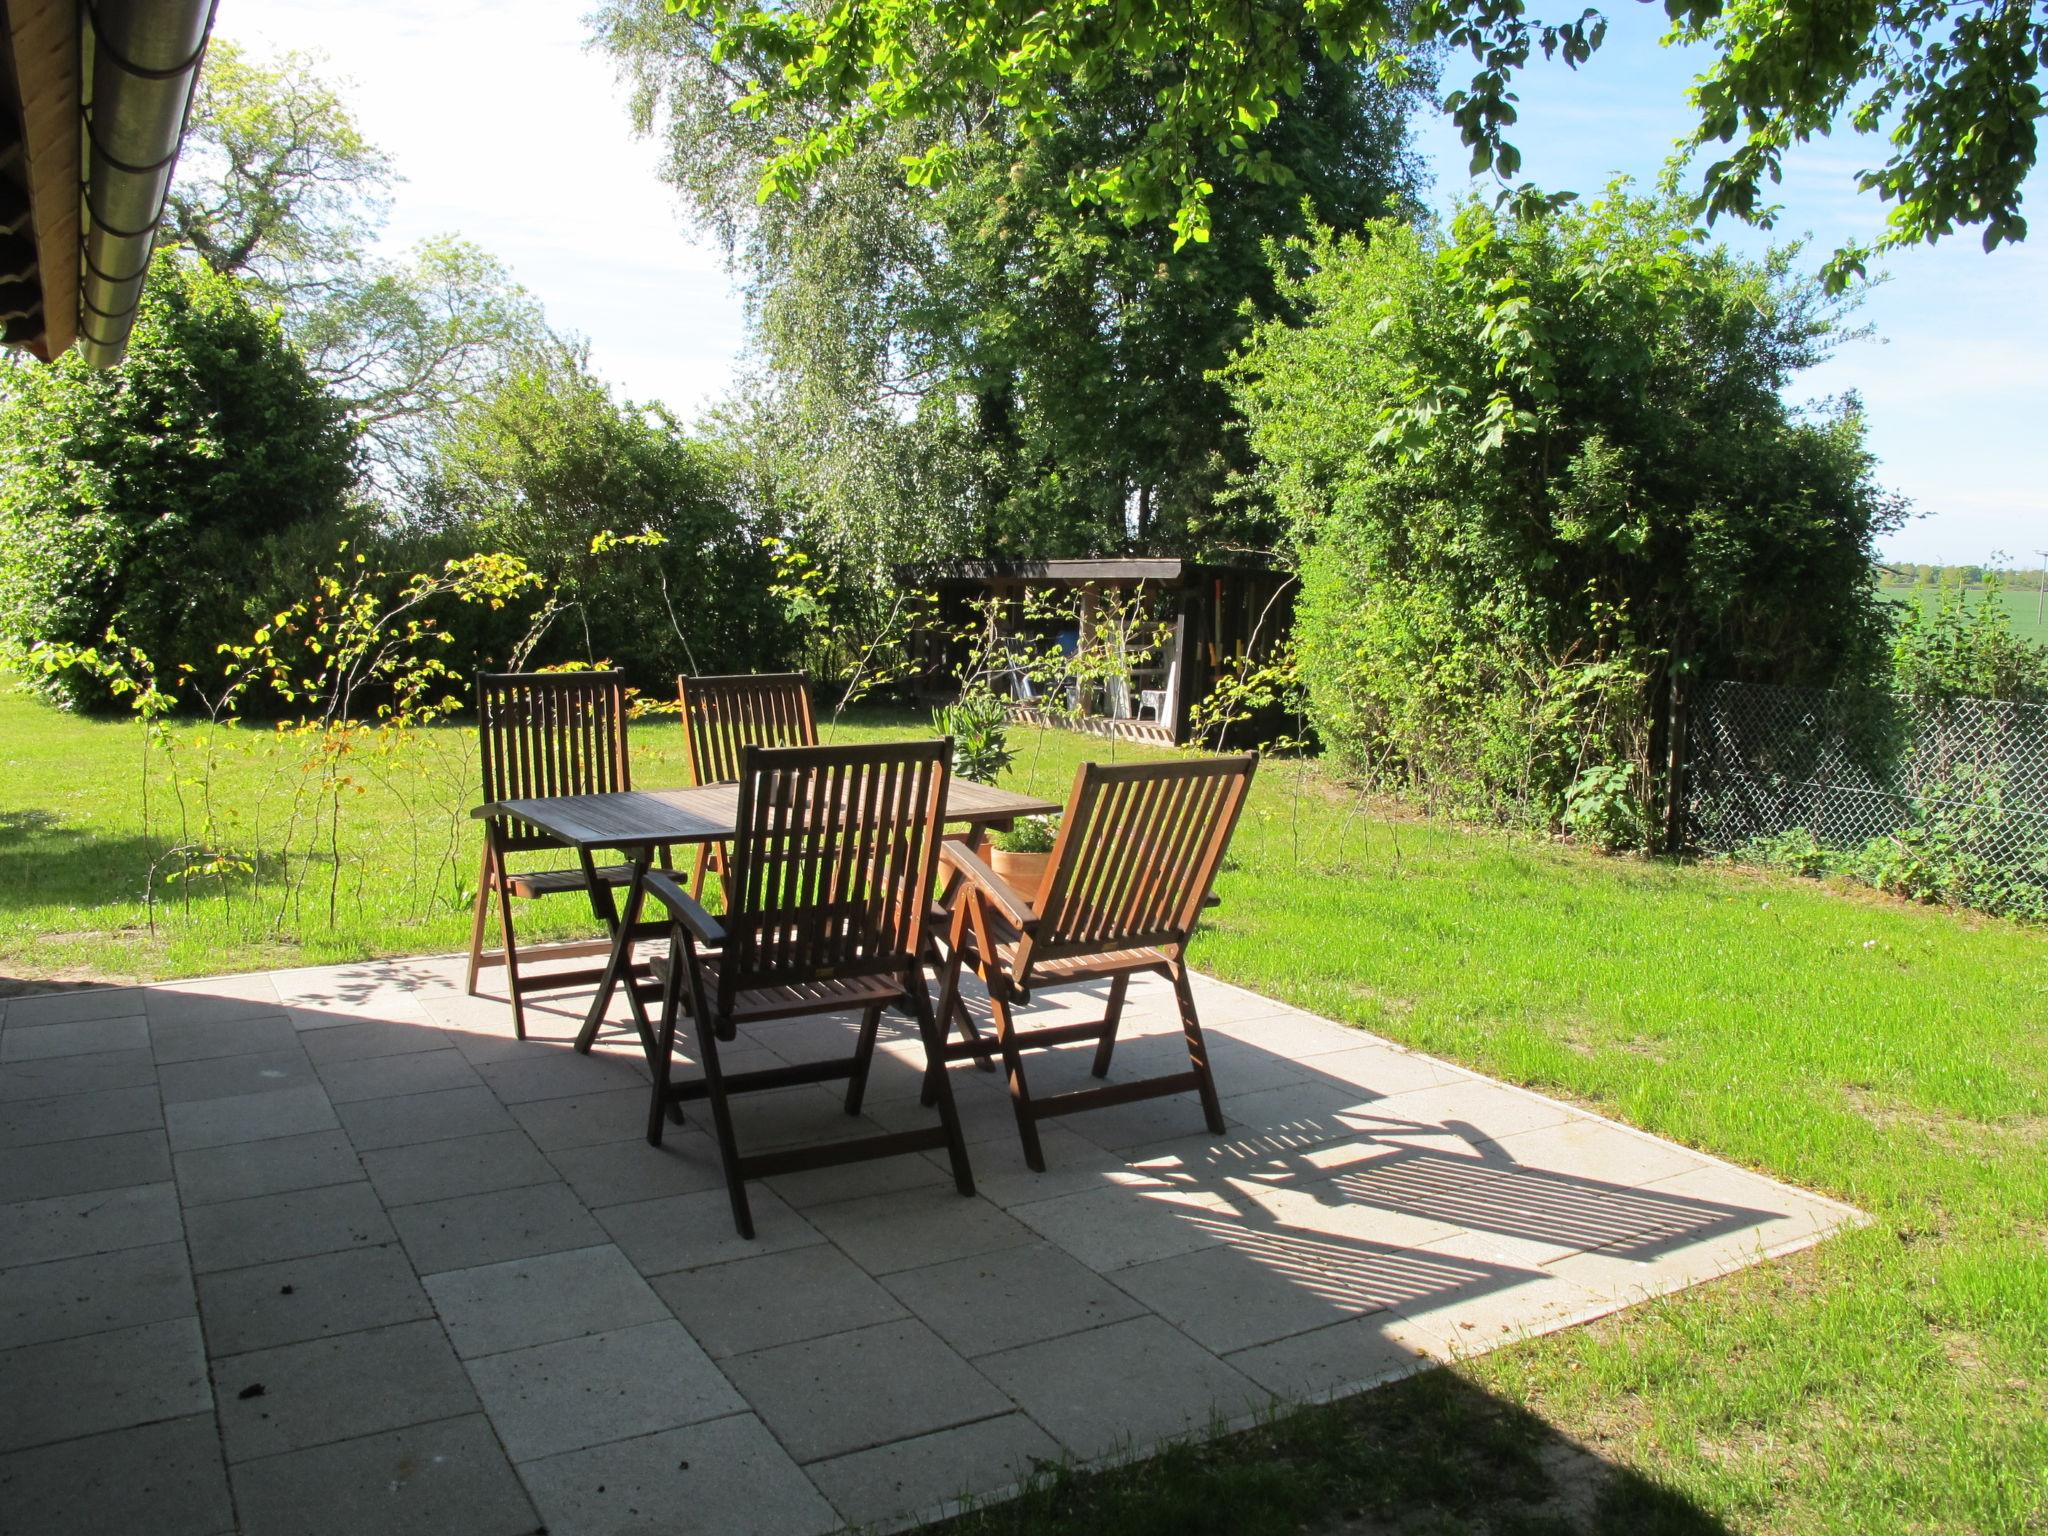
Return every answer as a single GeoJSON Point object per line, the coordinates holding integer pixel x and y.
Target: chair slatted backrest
{"type": "Point", "coordinates": [1137, 853]}
{"type": "Point", "coordinates": [834, 856]}
{"type": "Point", "coordinates": [722, 715]}
{"type": "Point", "coordinates": [551, 733]}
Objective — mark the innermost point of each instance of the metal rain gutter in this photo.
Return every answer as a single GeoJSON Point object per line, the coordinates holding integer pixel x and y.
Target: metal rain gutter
{"type": "Point", "coordinates": [141, 67]}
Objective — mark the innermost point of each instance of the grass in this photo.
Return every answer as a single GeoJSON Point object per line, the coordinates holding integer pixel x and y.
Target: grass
{"type": "Point", "coordinates": [1893, 1380]}
{"type": "Point", "coordinates": [2029, 621]}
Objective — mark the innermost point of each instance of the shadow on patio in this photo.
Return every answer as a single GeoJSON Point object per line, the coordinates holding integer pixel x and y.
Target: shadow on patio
{"type": "Point", "coordinates": [330, 1251]}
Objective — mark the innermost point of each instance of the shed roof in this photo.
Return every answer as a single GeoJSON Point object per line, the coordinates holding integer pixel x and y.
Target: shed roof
{"type": "Point", "coordinates": [1166, 570]}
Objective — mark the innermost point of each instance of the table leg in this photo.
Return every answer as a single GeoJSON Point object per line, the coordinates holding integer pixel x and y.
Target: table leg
{"type": "Point", "coordinates": [620, 964]}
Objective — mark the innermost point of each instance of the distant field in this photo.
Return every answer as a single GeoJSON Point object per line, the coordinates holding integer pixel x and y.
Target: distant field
{"type": "Point", "coordinates": [2021, 605]}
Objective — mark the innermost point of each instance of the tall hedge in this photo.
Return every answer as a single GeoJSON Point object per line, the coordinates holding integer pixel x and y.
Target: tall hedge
{"type": "Point", "coordinates": [1537, 469]}
{"type": "Point", "coordinates": [176, 497]}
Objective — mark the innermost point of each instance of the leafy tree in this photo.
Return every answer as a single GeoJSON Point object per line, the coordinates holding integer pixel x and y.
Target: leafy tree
{"type": "Point", "coordinates": [280, 188]}
{"type": "Point", "coordinates": [1048, 376]}
{"type": "Point", "coordinates": [169, 498]}
{"type": "Point", "coordinates": [1952, 88]}
{"type": "Point", "coordinates": [1537, 467]}
{"type": "Point", "coordinates": [276, 183]}
{"type": "Point", "coordinates": [631, 521]}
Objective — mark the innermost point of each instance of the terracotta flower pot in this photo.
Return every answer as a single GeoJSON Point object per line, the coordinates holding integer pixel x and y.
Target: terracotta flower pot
{"type": "Point", "coordinates": [1024, 873]}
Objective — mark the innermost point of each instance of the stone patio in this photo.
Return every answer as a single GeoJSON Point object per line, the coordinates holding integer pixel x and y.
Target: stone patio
{"type": "Point", "coordinates": [328, 1251]}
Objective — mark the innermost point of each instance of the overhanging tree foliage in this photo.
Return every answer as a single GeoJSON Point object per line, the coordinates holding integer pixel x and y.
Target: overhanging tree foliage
{"type": "Point", "coordinates": [1952, 89]}
{"type": "Point", "coordinates": [972, 368]}
{"type": "Point", "coordinates": [280, 189]}
{"type": "Point", "coordinates": [1537, 468]}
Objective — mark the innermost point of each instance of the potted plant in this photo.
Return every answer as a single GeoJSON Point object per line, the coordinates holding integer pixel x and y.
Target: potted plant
{"type": "Point", "coordinates": [979, 726]}
{"type": "Point", "coordinates": [1020, 855]}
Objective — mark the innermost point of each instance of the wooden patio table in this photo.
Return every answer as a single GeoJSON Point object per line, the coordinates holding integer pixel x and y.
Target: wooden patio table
{"type": "Point", "coordinates": [640, 823]}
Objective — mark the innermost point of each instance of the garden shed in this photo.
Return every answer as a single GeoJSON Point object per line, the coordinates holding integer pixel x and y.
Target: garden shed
{"type": "Point", "coordinates": [1123, 646]}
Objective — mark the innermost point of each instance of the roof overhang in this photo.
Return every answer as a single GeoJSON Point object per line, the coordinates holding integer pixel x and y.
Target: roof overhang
{"type": "Point", "coordinates": [94, 100]}
{"type": "Point", "coordinates": [1119, 570]}
{"type": "Point", "coordinates": [40, 168]}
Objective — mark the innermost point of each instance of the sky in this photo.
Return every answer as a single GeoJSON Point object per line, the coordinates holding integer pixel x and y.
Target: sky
{"type": "Point", "coordinates": [507, 131]}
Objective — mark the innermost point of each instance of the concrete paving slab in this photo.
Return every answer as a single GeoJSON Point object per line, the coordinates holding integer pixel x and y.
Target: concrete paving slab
{"type": "Point", "coordinates": [729, 1474]}
{"type": "Point", "coordinates": [296, 1396]}
{"type": "Point", "coordinates": [561, 1073]}
{"type": "Point", "coordinates": [79, 1167]}
{"type": "Point", "coordinates": [390, 1077]}
{"type": "Point", "coordinates": [249, 1117]}
{"type": "Point", "coordinates": [777, 1298]}
{"type": "Point", "coordinates": [186, 1082]}
{"type": "Point", "coordinates": [488, 1229]}
{"type": "Point", "coordinates": [101, 1381]}
{"type": "Point", "coordinates": [166, 1479]}
{"type": "Point", "coordinates": [538, 1300]}
{"type": "Point", "coordinates": [1130, 1222]}
{"type": "Point", "coordinates": [619, 1172]}
{"type": "Point", "coordinates": [616, 1385]}
{"type": "Point", "coordinates": [688, 1231]}
{"type": "Point", "coordinates": [294, 1225]}
{"type": "Point", "coordinates": [367, 1038]}
{"type": "Point", "coordinates": [1123, 1386]}
{"type": "Point", "coordinates": [848, 1391]}
{"type": "Point", "coordinates": [464, 1165]}
{"type": "Point", "coordinates": [242, 1170]}
{"type": "Point", "coordinates": [318, 1296]}
{"type": "Point", "coordinates": [1345, 1357]}
{"type": "Point", "coordinates": [50, 1077]}
{"type": "Point", "coordinates": [425, 1480]}
{"type": "Point", "coordinates": [585, 1119]}
{"type": "Point", "coordinates": [38, 1008]}
{"type": "Point", "coordinates": [40, 1303]}
{"type": "Point", "coordinates": [99, 1221]}
{"type": "Point", "coordinates": [853, 1181]}
{"type": "Point", "coordinates": [80, 1038]}
{"type": "Point", "coordinates": [906, 1229]}
{"type": "Point", "coordinates": [1014, 1296]}
{"type": "Point", "coordinates": [927, 1472]}
{"type": "Point", "coordinates": [184, 1036]}
{"type": "Point", "coordinates": [373, 1124]}
{"type": "Point", "coordinates": [38, 1122]}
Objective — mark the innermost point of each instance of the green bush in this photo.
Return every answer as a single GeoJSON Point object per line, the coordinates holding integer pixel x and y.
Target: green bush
{"type": "Point", "coordinates": [1536, 469]}
{"type": "Point", "coordinates": [638, 527]}
{"type": "Point", "coordinates": [177, 498]}
{"type": "Point", "coordinates": [1957, 649]}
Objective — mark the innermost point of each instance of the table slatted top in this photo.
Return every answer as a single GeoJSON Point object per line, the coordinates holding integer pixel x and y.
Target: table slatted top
{"type": "Point", "coordinates": [710, 813]}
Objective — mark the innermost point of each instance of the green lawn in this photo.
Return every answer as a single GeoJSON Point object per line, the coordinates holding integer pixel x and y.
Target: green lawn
{"type": "Point", "coordinates": [2029, 620]}
{"type": "Point", "coordinates": [1895, 1379]}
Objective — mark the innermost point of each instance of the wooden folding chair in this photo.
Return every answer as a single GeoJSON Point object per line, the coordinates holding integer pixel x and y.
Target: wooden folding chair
{"type": "Point", "coordinates": [835, 853]}
{"type": "Point", "coordinates": [722, 716]}
{"type": "Point", "coordinates": [542, 733]}
{"type": "Point", "coordinates": [1137, 853]}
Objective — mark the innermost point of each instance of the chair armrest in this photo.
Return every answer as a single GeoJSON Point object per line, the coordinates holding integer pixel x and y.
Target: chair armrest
{"type": "Point", "coordinates": [685, 908]}
{"type": "Point", "coordinates": [963, 859]}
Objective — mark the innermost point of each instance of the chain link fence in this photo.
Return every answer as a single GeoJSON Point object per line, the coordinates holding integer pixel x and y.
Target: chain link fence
{"type": "Point", "coordinates": [1941, 800]}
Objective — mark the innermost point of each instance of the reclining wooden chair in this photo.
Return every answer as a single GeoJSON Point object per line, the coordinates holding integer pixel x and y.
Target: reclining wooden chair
{"type": "Point", "coordinates": [827, 901]}
{"type": "Point", "coordinates": [543, 733]}
{"type": "Point", "coordinates": [723, 715]}
{"type": "Point", "coordinates": [1137, 852]}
